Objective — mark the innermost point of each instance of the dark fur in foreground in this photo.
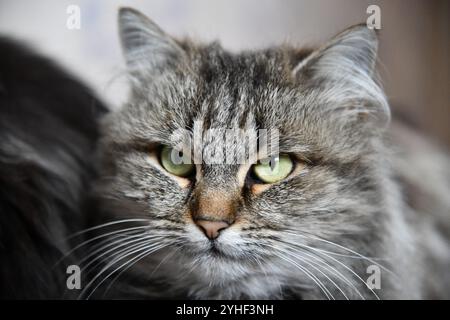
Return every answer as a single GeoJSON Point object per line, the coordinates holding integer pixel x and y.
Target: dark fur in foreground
{"type": "Point", "coordinates": [48, 131]}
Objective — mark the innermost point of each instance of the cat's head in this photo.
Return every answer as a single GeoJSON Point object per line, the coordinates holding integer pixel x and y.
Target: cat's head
{"type": "Point", "coordinates": [227, 221]}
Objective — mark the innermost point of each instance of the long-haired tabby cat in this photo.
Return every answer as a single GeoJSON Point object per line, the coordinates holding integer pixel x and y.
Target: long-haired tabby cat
{"type": "Point", "coordinates": [358, 208]}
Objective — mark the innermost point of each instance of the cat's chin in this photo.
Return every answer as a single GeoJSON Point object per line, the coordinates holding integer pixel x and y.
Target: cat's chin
{"type": "Point", "coordinates": [214, 275]}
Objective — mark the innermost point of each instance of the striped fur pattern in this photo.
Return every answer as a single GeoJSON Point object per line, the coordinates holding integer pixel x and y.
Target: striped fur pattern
{"type": "Point", "coordinates": [313, 235]}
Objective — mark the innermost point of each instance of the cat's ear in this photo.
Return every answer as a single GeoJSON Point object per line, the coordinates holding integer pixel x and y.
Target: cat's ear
{"type": "Point", "coordinates": [147, 49]}
{"type": "Point", "coordinates": [344, 68]}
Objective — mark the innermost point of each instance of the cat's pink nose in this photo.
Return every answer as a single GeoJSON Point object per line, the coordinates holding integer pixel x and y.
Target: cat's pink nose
{"type": "Point", "coordinates": [211, 228]}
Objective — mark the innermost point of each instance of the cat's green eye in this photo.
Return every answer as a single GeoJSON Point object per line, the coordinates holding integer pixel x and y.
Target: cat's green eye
{"type": "Point", "coordinates": [181, 169]}
{"type": "Point", "coordinates": [274, 170]}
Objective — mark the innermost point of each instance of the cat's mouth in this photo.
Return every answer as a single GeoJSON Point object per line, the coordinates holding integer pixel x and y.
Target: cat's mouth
{"type": "Point", "coordinates": [220, 252]}
{"type": "Point", "coordinates": [215, 251]}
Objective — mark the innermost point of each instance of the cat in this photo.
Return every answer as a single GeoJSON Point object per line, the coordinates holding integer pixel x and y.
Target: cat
{"type": "Point", "coordinates": [220, 233]}
{"type": "Point", "coordinates": [356, 210]}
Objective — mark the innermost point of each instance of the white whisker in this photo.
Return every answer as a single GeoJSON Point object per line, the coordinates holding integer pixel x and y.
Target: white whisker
{"type": "Point", "coordinates": [327, 266]}
{"type": "Point", "coordinates": [135, 249]}
{"type": "Point", "coordinates": [154, 270]}
{"type": "Point", "coordinates": [343, 248]}
{"type": "Point", "coordinates": [148, 250]}
{"type": "Point", "coordinates": [105, 225]}
{"type": "Point", "coordinates": [311, 265]}
{"type": "Point", "coordinates": [96, 238]}
{"type": "Point", "coordinates": [309, 274]}
{"type": "Point", "coordinates": [340, 263]}
{"type": "Point", "coordinates": [127, 242]}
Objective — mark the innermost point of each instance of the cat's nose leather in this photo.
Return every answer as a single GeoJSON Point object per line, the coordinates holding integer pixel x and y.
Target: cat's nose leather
{"type": "Point", "coordinates": [211, 228]}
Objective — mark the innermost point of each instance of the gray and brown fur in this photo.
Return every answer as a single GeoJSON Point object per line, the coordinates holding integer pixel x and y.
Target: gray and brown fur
{"type": "Point", "coordinates": [364, 190]}
{"type": "Point", "coordinates": [332, 115]}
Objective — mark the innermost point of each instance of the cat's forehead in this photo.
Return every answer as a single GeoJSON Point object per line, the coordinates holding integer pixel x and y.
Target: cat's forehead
{"type": "Point", "coordinates": [253, 68]}
{"type": "Point", "coordinates": [232, 89]}
{"type": "Point", "coordinates": [219, 90]}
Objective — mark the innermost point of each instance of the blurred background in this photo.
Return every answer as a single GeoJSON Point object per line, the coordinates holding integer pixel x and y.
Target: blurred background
{"type": "Point", "coordinates": [414, 47]}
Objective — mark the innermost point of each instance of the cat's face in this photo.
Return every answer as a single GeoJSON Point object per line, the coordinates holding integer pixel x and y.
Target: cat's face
{"type": "Point", "coordinates": [225, 223]}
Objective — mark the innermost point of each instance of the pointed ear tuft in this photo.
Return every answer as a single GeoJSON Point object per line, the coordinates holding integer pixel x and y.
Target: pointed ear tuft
{"type": "Point", "coordinates": [345, 70]}
{"type": "Point", "coordinates": [355, 47]}
{"type": "Point", "coordinates": [147, 49]}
